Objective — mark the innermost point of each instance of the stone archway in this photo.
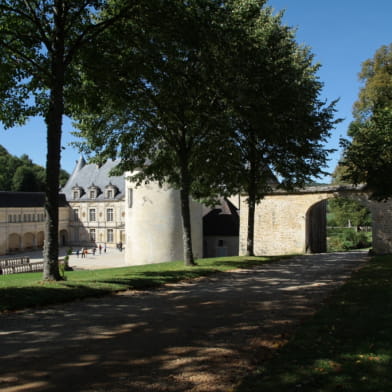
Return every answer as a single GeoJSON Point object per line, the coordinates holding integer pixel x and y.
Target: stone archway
{"type": "Point", "coordinates": [40, 239]}
{"type": "Point", "coordinates": [63, 238]}
{"type": "Point", "coordinates": [316, 228]}
{"type": "Point", "coordinates": [28, 241]}
{"type": "Point", "coordinates": [14, 242]}
{"type": "Point", "coordinates": [285, 222]}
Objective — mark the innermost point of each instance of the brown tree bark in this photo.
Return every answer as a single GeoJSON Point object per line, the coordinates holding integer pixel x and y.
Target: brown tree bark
{"type": "Point", "coordinates": [54, 126]}
{"type": "Point", "coordinates": [186, 215]}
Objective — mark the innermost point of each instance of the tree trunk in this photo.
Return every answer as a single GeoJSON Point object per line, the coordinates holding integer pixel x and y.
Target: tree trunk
{"type": "Point", "coordinates": [186, 215]}
{"type": "Point", "coordinates": [251, 197]}
{"type": "Point", "coordinates": [251, 225]}
{"type": "Point", "coordinates": [54, 124]}
{"type": "Point", "coordinates": [51, 248]}
{"type": "Point", "coordinates": [186, 228]}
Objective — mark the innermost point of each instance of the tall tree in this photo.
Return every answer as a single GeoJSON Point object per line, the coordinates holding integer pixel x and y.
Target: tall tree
{"type": "Point", "coordinates": [24, 180]}
{"type": "Point", "coordinates": [8, 163]}
{"type": "Point", "coordinates": [279, 122]}
{"type": "Point", "coordinates": [39, 44]}
{"type": "Point", "coordinates": [368, 155]}
{"type": "Point", "coordinates": [167, 119]}
{"type": "Point", "coordinates": [376, 91]}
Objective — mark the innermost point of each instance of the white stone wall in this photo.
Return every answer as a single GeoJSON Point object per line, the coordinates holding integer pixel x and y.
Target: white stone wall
{"type": "Point", "coordinates": [154, 225]}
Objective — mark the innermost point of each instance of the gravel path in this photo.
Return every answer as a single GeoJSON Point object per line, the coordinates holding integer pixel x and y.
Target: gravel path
{"type": "Point", "coordinates": [199, 336]}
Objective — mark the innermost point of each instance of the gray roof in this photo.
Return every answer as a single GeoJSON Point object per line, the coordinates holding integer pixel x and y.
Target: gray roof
{"type": "Point", "coordinates": [88, 175]}
{"type": "Point", "coordinates": [26, 199]}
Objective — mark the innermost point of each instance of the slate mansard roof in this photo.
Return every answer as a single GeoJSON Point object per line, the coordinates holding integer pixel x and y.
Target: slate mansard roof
{"type": "Point", "coordinates": [91, 176]}
{"type": "Point", "coordinates": [26, 199]}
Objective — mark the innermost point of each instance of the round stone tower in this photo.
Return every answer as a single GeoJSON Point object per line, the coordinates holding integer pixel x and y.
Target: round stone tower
{"type": "Point", "coordinates": [154, 226]}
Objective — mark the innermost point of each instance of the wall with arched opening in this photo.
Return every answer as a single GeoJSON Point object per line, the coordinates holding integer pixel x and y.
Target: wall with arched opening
{"type": "Point", "coordinates": [316, 228]}
{"type": "Point", "coordinates": [63, 238]}
{"type": "Point", "coordinates": [28, 241]}
{"type": "Point", "coordinates": [289, 223]}
{"type": "Point", "coordinates": [281, 222]}
{"type": "Point", "coordinates": [40, 239]}
{"type": "Point", "coordinates": [14, 242]}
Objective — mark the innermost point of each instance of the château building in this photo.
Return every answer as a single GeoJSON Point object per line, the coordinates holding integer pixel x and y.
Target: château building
{"type": "Point", "coordinates": [97, 208]}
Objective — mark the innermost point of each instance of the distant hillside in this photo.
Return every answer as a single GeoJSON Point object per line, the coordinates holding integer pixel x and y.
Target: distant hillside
{"type": "Point", "coordinates": [21, 174]}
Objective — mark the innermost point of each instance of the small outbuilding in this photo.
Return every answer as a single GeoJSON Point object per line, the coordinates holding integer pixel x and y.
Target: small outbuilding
{"type": "Point", "coordinates": [221, 230]}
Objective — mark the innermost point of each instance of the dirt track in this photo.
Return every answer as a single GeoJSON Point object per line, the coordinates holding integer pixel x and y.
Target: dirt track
{"type": "Point", "coordinates": [199, 336]}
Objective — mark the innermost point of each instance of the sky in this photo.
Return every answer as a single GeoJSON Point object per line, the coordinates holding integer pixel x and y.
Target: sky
{"type": "Point", "coordinates": [341, 34]}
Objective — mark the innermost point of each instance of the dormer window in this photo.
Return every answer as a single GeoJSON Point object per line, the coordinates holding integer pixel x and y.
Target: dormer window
{"type": "Point", "coordinates": [93, 191]}
{"type": "Point", "coordinates": [110, 191]}
{"type": "Point", "coordinates": [77, 192]}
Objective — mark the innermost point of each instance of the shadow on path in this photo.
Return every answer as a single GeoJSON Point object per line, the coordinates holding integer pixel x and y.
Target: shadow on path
{"type": "Point", "coordinates": [194, 336]}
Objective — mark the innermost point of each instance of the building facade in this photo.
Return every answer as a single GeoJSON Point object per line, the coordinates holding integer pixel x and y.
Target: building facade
{"type": "Point", "coordinates": [97, 203]}
{"type": "Point", "coordinates": [22, 221]}
{"type": "Point", "coordinates": [99, 209]}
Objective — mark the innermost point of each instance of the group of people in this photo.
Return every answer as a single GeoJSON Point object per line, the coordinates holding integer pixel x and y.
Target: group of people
{"type": "Point", "coordinates": [84, 251]}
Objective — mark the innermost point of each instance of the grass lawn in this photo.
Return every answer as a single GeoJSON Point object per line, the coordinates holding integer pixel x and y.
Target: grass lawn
{"type": "Point", "coordinates": [21, 291]}
{"type": "Point", "coordinates": [346, 346]}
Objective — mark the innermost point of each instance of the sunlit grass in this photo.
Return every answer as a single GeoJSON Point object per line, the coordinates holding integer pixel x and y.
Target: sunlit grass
{"type": "Point", "coordinates": [346, 346]}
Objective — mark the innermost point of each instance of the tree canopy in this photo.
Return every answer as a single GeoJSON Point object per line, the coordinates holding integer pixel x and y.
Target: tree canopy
{"type": "Point", "coordinates": [210, 97]}
{"type": "Point", "coordinates": [368, 155]}
{"type": "Point", "coordinates": [22, 175]}
{"type": "Point", "coordinates": [40, 42]}
{"type": "Point", "coordinates": [279, 124]}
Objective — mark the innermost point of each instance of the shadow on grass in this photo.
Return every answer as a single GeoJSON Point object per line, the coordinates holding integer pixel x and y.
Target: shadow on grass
{"type": "Point", "coordinates": [83, 284]}
{"type": "Point", "coordinates": [346, 346]}
{"type": "Point", "coordinates": [151, 279]}
{"type": "Point", "coordinates": [15, 298]}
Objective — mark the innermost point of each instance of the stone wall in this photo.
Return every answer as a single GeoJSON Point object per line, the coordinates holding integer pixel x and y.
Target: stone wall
{"type": "Point", "coordinates": [282, 220]}
{"type": "Point", "coordinates": [280, 223]}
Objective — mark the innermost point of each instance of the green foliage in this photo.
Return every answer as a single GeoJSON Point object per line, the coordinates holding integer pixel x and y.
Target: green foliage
{"type": "Point", "coordinates": [21, 174]}
{"type": "Point", "coordinates": [346, 346]}
{"type": "Point", "coordinates": [348, 212]}
{"type": "Point", "coordinates": [368, 156]}
{"type": "Point", "coordinates": [376, 93]}
{"type": "Point", "coordinates": [344, 239]}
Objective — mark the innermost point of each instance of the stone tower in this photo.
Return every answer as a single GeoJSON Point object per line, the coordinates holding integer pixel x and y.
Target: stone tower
{"type": "Point", "coordinates": [154, 226]}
